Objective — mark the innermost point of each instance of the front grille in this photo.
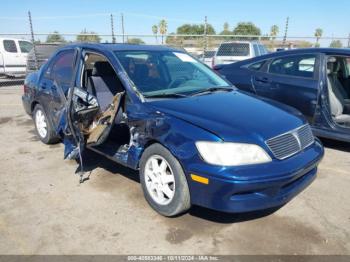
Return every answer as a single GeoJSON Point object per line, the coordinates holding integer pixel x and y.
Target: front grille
{"type": "Point", "coordinates": [291, 143]}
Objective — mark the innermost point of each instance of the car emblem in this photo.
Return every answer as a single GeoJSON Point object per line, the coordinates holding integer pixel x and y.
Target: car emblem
{"type": "Point", "coordinates": [295, 134]}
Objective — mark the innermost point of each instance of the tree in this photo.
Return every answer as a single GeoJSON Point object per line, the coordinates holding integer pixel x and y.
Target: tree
{"type": "Point", "coordinates": [274, 31]}
{"type": "Point", "coordinates": [55, 37]}
{"type": "Point", "coordinates": [246, 28]}
{"type": "Point", "coordinates": [336, 44]}
{"type": "Point", "coordinates": [318, 35]}
{"type": "Point", "coordinates": [155, 32]}
{"type": "Point", "coordinates": [226, 30]}
{"type": "Point", "coordinates": [86, 36]}
{"type": "Point", "coordinates": [163, 28]}
{"type": "Point", "coordinates": [188, 29]}
{"type": "Point", "coordinates": [136, 41]}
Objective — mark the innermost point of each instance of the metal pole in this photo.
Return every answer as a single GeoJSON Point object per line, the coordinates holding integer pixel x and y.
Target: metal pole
{"type": "Point", "coordinates": [112, 28]}
{"type": "Point", "coordinates": [33, 40]}
{"type": "Point", "coordinates": [205, 37]}
{"type": "Point", "coordinates": [122, 23]}
{"type": "Point", "coordinates": [349, 41]}
{"type": "Point", "coordinates": [285, 32]}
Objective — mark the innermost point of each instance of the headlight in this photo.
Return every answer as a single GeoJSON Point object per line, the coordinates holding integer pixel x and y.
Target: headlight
{"type": "Point", "coordinates": [232, 154]}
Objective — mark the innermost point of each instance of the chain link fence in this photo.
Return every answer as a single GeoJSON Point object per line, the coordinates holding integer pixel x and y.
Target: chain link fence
{"type": "Point", "coordinates": [17, 57]}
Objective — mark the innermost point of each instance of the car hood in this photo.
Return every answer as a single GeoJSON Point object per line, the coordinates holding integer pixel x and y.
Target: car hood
{"type": "Point", "coordinates": [233, 116]}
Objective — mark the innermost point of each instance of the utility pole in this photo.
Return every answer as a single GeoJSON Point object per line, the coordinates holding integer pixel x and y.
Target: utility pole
{"type": "Point", "coordinates": [112, 28]}
{"type": "Point", "coordinates": [33, 40]}
{"type": "Point", "coordinates": [285, 32]}
{"type": "Point", "coordinates": [205, 36]}
{"type": "Point", "coordinates": [122, 23]}
{"type": "Point", "coordinates": [349, 40]}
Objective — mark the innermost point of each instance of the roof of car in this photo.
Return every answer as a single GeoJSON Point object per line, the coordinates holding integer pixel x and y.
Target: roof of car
{"type": "Point", "coordinates": [329, 51]}
{"type": "Point", "coordinates": [315, 50]}
{"type": "Point", "coordinates": [334, 51]}
{"type": "Point", "coordinates": [124, 47]}
{"type": "Point", "coordinates": [11, 38]}
{"type": "Point", "coordinates": [241, 42]}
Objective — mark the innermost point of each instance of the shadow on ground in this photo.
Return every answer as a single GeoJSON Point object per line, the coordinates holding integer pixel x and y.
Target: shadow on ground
{"type": "Point", "coordinates": [337, 145]}
{"type": "Point", "coordinates": [93, 160]}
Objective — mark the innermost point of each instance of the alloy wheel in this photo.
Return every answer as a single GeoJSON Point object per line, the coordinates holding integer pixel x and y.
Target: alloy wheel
{"type": "Point", "coordinates": [40, 122]}
{"type": "Point", "coordinates": [160, 180]}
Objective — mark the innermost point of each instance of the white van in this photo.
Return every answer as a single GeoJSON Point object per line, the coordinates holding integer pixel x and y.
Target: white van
{"type": "Point", "coordinates": [230, 52]}
{"type": "Point", "coordinates": [13, 56]}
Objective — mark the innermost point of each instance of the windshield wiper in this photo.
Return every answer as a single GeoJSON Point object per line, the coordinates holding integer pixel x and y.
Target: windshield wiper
{"type": "Point", "coordinates": [165, 95]}
{"type": "Point", "coordinates": [211, 90]}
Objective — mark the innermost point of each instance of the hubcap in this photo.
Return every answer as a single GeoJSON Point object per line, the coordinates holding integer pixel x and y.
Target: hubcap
{"type": "Point", "coordinates": [40, 123]}
{"type": "Point", "coordinates": [160, 180]}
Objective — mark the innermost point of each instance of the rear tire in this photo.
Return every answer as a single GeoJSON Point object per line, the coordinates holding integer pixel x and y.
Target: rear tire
{"type": "Point", "coordinates": [43, 126]}
{"type": "Point", "coordinates": [164, 182]}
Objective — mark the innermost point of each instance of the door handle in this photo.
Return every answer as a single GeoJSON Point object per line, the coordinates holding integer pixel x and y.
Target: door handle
{"type": "Point", "coordinates": [264, 80]}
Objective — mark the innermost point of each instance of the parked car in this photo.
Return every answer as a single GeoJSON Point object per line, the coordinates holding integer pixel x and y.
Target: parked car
{"type": "Point", "coordinates": [315, 81]}
{"type": "Point", "coordinates": [43, 53]}
{"type": "Point", "coordinates": [207, 57]}
{"type": "Point", "coordinates": [13, 56]}
{"type": "Point", "coordinates": [230, 52]}
{"type": "Point", "coordinates": [158, 110]}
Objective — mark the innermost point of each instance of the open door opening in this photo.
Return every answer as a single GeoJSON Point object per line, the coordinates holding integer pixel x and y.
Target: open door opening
{"type": "Point", "coordinates": [98, 108]}
{"type": "Point", "coordinates": [338, 82]}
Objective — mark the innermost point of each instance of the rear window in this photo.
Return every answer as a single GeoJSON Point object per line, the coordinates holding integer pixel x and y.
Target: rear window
{"type": "Point", "coordinates": [10, 46]}
{"type": "Point", "coordinates": [234, 49]}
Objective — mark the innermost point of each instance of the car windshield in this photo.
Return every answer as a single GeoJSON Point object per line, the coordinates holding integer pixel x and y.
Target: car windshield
{"type": "Point", "coordinates": [157, 73]}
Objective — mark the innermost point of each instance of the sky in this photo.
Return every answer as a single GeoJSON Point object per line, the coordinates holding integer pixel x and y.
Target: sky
{"type": "Point", "coordinates": [71, 16]}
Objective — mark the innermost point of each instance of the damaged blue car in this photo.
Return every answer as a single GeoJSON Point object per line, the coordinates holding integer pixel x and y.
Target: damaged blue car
{"type": "Point", "coordinates": [195, 139]}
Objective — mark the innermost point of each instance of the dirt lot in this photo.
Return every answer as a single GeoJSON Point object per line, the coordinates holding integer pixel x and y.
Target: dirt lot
{"type": "Point", "coordinates": [44, 210]}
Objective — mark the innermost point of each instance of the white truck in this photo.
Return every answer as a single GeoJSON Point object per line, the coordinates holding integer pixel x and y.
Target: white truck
{"type": "Point", "coordinates": [13, 57]}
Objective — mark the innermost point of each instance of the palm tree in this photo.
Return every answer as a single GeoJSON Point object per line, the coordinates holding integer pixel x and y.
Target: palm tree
{"type": "Point", "coordinates": [163, 28]}
{"type": "Point", "coordinates": [155, 32]}
{"type": "Point", "coordinates": [273, 33]}
{"type": "Point", "coordinates": [318, 35]}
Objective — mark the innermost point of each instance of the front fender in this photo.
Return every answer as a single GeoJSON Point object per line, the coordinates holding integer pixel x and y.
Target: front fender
{"type": "Point", "coordinates": [177, 135]}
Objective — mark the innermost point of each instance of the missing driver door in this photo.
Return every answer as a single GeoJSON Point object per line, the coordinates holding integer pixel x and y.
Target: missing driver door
{"type": "Point", "coordinates": [93, 107]}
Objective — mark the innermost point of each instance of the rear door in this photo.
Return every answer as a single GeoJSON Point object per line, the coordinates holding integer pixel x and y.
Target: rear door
{"type": "Point", "coordinates": [24, 48]}
{"type": "Point", "coordinates": [292, 80]}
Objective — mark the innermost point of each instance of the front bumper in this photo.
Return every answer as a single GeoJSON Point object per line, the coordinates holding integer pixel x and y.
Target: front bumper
{"type": "Point", "coordinates": [251, 188]}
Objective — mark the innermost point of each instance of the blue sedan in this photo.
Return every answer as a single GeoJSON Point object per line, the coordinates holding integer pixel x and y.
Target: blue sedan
{"type": "Point", "coordinates": [195, 139]}
{"type": "Point", "coordinates": [316, 81]}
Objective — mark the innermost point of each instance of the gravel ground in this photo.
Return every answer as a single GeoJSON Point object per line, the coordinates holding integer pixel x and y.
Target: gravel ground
{"type": "Point", "coordinates": [44, 209]}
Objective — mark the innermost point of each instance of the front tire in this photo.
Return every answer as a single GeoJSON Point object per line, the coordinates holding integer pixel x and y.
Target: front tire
{"type": "Point", "coordinates": [164, 182]}
{"type": "Point", "coordinates": [43, 126]}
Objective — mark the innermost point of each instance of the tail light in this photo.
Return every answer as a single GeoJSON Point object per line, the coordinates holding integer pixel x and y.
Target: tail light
{"type": "Point", "coordinates": [25, 89]}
